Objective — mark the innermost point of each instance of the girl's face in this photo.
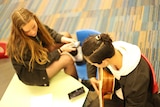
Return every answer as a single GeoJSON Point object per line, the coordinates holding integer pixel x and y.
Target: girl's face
{"type": "Point", "coordinates": [31, 28]}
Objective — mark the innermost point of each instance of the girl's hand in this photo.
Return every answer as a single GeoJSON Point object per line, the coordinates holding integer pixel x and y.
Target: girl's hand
{"type": "Point", "coordinates": [67, 48]}
{"type": "Point", "coordinates": [67, 40]}
{"type": "Point", "coordinates": [95, 84]}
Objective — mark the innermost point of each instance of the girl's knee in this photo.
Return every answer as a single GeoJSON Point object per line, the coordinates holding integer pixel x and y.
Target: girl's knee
{"type": "Point", "coordinates": [70, 60]}
{"type": "Point", "coordinates": [67, 59]}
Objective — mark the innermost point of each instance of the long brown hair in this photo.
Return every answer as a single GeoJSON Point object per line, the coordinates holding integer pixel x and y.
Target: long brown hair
{"type": "Point", "coordinates": [19, 42]}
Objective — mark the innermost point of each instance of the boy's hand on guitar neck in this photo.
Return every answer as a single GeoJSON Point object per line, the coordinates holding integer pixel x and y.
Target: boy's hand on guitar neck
{"type": "Point", "coordinates": [95, 84]}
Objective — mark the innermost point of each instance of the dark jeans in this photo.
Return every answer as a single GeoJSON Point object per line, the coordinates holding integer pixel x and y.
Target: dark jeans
{"type": "Point", "coordinates": [92, 100]}
{"type": "Point", "coordinates": [115, 102]}
{"type": "Point", "coordinates": [154, 101]}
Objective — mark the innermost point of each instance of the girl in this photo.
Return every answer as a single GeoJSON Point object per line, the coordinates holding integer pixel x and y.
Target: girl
{"type": "Point", "coordinates": [36, 51]}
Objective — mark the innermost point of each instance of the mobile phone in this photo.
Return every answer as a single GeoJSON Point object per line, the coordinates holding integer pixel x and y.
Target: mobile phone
{"type": "Point", "coordinates": [76, 92]}
{"type": "Point", "coordinates": [75, 44]}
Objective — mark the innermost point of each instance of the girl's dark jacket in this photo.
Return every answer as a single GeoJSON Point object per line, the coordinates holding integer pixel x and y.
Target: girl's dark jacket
{"type": "Point", "coordinates": [38, 75]}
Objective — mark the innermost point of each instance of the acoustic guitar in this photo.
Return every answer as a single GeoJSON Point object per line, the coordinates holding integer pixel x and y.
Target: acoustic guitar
{"type": "Point", "coordinates": [106, 85]}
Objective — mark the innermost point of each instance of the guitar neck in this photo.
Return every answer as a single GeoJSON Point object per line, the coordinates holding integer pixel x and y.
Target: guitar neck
{"type": "Point", "coordinates": [101, 100]}
{"type": "Point", "coordinates": [106, 85]}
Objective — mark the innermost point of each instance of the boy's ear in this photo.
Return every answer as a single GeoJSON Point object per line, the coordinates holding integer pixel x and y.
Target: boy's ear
{"type": "Point", "coordinates": [105, 61]}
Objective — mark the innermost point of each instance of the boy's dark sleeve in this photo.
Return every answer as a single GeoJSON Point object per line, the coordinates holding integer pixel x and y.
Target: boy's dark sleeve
{"type": "Point", "coordinates": [91, 70]}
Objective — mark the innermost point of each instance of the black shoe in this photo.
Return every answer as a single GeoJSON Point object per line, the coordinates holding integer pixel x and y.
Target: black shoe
{"type": "Point", "coordinates": [88, 84]}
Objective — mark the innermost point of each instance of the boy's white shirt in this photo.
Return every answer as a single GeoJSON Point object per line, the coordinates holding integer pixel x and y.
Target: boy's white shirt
{"type": "Point", "coordinates": [131, 58]}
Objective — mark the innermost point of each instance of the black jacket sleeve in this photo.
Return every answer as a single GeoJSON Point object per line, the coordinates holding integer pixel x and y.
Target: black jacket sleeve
{"type": "Point", "coordinates": [56, 36]}
{"type": "Point", "coordinates": [38, 75]}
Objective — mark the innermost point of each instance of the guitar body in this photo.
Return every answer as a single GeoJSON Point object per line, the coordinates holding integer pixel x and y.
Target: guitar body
{"type": "Point", "coordinates": [106, 85]}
